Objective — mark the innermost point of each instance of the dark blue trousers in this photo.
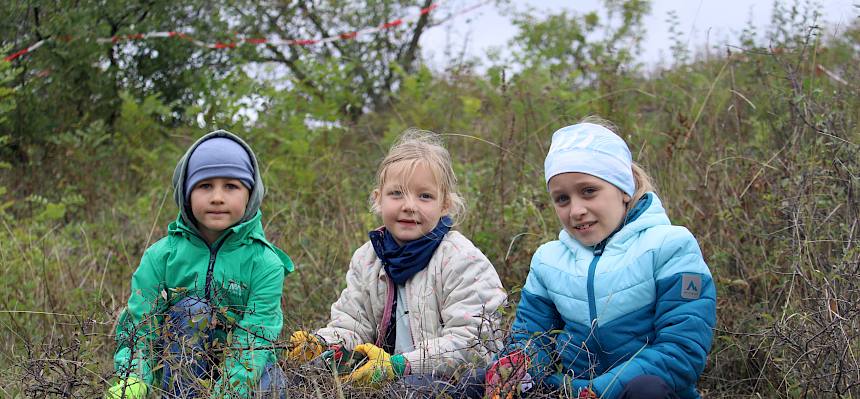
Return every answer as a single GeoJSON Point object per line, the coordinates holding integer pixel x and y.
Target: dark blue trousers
{"type": "Point", "coordinates": [186, 337]}
{"type": "Point", "coordinates": [469, 385]}
{"type": "Point", "coordinates": [647, 387]}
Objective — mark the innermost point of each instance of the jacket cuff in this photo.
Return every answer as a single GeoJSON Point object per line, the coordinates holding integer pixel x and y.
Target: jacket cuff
{"type": "Point", "coordinates": [400, 365]}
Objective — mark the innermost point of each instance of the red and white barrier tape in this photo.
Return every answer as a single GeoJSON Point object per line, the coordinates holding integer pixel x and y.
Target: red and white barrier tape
{"type": "Point", "coordinates": [256, 41]}
{"type": "Point", "coordinates": [19, 53]}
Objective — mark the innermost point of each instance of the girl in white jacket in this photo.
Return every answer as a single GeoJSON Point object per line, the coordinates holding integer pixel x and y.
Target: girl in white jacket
{"type": "Point", "coordinates": [420, 300]}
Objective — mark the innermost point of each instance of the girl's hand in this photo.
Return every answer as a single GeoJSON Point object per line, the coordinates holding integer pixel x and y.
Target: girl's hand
{"type": "Point", "coordinates": [305, 346]}
{"type": "Point", "coordinates": [379, 366]}
{"type": "Point", "coordinates": [508, 376]}
{"type": "Point", "coordinates": [586, 393]}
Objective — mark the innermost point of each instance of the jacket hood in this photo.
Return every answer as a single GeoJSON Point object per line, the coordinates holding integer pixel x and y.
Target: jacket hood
{"type": "Point", "coordinates": [180, 175]}
{"type": "Point", "coordinates": [647, 213]}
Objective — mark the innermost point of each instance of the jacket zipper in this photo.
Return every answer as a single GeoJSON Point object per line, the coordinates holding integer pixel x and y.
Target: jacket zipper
{"type": "Point", "coordinates": [592, 268]}
{"type": "Point", "coordinates": [209, 271]}
{"type": "Point", "coordinates": [592, 305]}
{"type": "Point", "coordinates": [213, 253]}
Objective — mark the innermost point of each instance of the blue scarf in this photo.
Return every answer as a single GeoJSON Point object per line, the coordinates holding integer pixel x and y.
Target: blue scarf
{"type": "Point", "coordinates": [402, 262]}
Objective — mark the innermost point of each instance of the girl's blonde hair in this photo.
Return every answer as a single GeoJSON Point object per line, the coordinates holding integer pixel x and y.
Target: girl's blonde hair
{"type": "Point", "coordinates": [416, 147]}
{"type": "Point", "coordinates": [643, 181]}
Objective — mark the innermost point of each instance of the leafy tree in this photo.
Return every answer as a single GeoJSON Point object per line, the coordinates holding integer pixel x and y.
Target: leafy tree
{"type": "Point", "coordinates": [578, 47]}
{"type": "Point", "coordinates": [349, 76]}
{"type": "Point", "coordinates": [75, 80]}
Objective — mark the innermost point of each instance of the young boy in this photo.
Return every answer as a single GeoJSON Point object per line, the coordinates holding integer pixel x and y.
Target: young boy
{"type": "Point", "coordinates": [210, 290]}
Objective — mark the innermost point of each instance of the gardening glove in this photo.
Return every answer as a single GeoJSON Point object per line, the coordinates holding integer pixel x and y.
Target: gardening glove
{"type": "Point", "coordinates": [339, 360]}
{"type": "Point", "coordinates": [134, 389]}
{"type": "Point", "coordinates": [583, 392]}
{"type": "Point", "coordinates": [379, 367]}
{"type": "Point", "coordinates": [306, 346]}
{"type": "Point", "coordinates": [508, 376]}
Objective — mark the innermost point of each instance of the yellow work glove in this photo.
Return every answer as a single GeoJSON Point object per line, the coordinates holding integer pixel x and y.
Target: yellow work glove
{"type": "Point", "coordinates": [134, 389]}
{"type": "Point", "coordinates": [305, 346]}
{"type": "Point", "coordinates": [379, 366]}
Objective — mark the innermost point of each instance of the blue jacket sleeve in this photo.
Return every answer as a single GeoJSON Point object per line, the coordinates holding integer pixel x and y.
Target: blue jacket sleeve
{"type": "Point", "coordinates": [536, 319]}
{"type": "Point", "coordinates": [685, 316]}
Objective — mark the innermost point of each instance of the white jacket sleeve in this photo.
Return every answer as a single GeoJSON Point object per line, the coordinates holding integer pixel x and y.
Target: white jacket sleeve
{"type": "Point", "coordinates": [353, 321]}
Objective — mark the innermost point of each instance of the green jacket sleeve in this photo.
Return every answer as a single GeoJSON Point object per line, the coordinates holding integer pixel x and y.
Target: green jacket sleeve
{"type": "Point", "coordinates": [137, 329]}
{"type": "Point", "coordinates": [259, 328]}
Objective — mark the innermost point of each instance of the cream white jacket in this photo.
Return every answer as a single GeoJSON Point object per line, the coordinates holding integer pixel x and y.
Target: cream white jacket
{"type": "Point", "coordinates": [453, 307]}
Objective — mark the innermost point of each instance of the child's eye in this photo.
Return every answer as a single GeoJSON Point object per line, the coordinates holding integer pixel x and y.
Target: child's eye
{"type": "Point", "coordinates": [204, 186]}
{"type": "Point", "coordinates": [589, 191]}
{"type": "Point", "coordinates": [561, 199]}
{"type": "Point", "coordinates": [395, 193]}
{"type": "Point", "coordinates": [231, 186]}
{"type": "Point", "coordinates": [426, 196]}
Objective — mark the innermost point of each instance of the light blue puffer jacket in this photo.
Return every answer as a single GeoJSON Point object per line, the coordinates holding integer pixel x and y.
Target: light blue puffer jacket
{"type": "Point", "coordinates": [641, 302]}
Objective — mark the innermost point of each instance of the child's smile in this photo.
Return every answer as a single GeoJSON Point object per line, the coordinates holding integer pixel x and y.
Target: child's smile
{"type": "Point", "coordinates": [584, 227]}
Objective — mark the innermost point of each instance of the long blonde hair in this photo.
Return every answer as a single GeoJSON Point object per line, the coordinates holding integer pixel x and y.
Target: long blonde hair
{"type": "Point", "coordinates": [642, 180]}
{"type": "Point", "coordinates": [416, 147]}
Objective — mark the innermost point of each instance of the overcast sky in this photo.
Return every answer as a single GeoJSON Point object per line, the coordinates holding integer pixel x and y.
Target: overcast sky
{"type": "Point", "coordinates": [711, 22]}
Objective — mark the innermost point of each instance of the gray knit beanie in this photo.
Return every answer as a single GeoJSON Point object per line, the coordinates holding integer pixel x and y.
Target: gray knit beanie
{"type": "Point", "coordinates": [219, 157]}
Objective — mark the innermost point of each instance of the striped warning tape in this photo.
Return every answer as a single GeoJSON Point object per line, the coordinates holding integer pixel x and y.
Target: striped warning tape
{"type": "Point", "coordinates": [257, 41]}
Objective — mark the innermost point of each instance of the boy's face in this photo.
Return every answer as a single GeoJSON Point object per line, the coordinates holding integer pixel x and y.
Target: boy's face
{"type": "Point", "coordinates": [410, 204]}
{"type": "Point", "coordinates": [589, 207]}
{"type": "Point", "coordinates": [217, 204]}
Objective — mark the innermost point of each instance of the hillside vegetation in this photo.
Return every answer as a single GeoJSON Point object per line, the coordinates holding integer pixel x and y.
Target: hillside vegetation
{"type": "Point", "coordinates": [756, 149]}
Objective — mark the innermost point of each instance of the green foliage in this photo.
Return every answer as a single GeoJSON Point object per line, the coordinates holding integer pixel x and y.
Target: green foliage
{"type": "Point", "coordinates": [74, 82]}
{"type": "Point", "coordinates": [578, 48]}
{"type": "Point", "coordinates": [7, 106]}
{"type": "Point", "coordinates": [345, 78]}
{"type": "Point", "coordinates": [679, 50]}
{"type": "Point", "coordinates": [7, 98]}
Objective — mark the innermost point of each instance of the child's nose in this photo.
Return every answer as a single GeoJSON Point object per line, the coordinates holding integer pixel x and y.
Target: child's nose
{"type": "Point", "coordinates": [409, 204]}
{"type": "Point", "coordinates": [577, 210]}
{"type": "Point", "coordinates": [217, 195]}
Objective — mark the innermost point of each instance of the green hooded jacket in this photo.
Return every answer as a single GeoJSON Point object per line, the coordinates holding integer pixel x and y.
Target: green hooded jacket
{"type": "Point", "coordinates": [241, 275]}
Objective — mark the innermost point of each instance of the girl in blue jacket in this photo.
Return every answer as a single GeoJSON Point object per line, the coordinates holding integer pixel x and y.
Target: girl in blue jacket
{"type": "Point", "coordinates": [622, 304]}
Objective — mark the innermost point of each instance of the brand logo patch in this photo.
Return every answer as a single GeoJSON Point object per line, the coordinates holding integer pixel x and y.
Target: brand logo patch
{"type": "Point", "coordinates": [235, 288]}
{"type": "Point", "coordinates": [691, 286]}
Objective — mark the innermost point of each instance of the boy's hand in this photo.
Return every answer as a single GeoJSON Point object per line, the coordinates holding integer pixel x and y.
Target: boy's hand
{"type": "Point", "coordinates": [508, 376]}
{"type": "Point", "coordinates": [306, 346]}
{"type": "Point", "coordinates": [134, 389]}
{"type": "Point", "coordinates": [379, 367]}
